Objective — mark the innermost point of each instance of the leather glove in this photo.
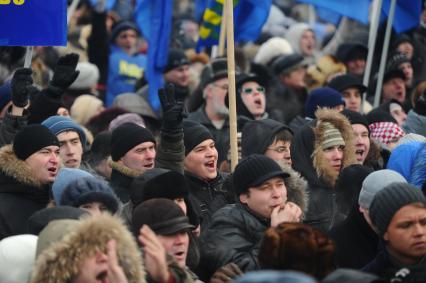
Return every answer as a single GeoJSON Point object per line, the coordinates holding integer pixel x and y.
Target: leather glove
{"type": "Point", "coordinates": [22, 87]}
{"type": "Point", "coordinates": [226, 273]}
{"type": "Point", "coordinates": [172, 109]}
{"type": "Point", "coordinates": [65, 74]}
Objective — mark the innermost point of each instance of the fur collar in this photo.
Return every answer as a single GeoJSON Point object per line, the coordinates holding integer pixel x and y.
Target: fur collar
{"type": "Point", "coordinates": [123, 169]}
{"type": "Point", "coordinates": [60, 262]}
{"type": "Point", "coordinates": [13, 167]}
{"type": "Point", "coordinates": [342, 124]}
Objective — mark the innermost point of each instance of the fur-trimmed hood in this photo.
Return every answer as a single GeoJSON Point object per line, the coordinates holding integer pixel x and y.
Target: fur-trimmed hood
{"type": "Point", "coordinates": [61, 261]}
{"type": "Point", "coordinates": [341, 123]}
{"type": "Point", "coordinates": [17, 169]}
{"type": "Point", "coordinates": [296, 187]}
{"type": "Point", "coordinates": [123, 169]}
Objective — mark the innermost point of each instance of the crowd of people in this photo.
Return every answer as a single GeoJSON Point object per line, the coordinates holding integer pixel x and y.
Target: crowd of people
{"type": "Point", "coordinates": [99, 183]}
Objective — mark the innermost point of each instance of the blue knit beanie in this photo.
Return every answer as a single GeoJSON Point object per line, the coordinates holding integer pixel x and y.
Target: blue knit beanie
{"type": "Point", "coordinates": [322, 97]}
{"type": "Point", "coordinates": [64, 178]}
{"type": "Point", "coordinates": [89, 189]}
{"type": "Point", "coordinates": [58, 124]}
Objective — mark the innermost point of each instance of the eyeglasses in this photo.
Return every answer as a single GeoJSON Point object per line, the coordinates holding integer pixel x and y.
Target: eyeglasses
{"type": "Point", "coordinates": [250, 90]}
{"type": "Point", "coordinates": [222, 87]}
{"type": "Point", "coordinates": [279, 149]}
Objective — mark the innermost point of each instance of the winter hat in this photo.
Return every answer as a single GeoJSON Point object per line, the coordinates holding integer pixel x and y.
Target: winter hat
{"type": "Point", "coordinates": [388, 201]}
{"type": "Point", "coordinates": [331, 136]}
{"type": "Point", "coordinates": [356, 118]}
{"type": "Point", "coordinates": [126, 118]}
{"type": "Point", "coordinates": [294, 34]}
{"type": "Point", "coordinates": [194, 133]}
{"type": "Point", "coordinates": [271, 49]}
{"type": "Point", "coordinates": [158, 183]}
{"type": "Point", "coordinates": [122, 26]}
{"type": "Point", "coordinates": [285, 64]}
{"type": "Point", "coordinates": [162, 215]}
{"type": "Point", "coordinates": [53, 233]}
{"type": "Point", "coordinates": [175, 59]}
{"type": "Point", "coordinates": [215, 70]}
{"type": "Point", "coordinates": [374, 183]}
{"type": "Point", "coordinates": [64, 178]}
{"type": "Point", "coordinates": [379, 115]}
{"type": "Point", "coordinates": [253, 171]}
{"type": "Point", "coordinates": [31, 139]}
{"type": "Point", "coordinates": [386, 132]}
{"type": "Point", "coordinates": [89, 189]}
{"type": "Point", "coordinates": [257, 135]}
{"type": "Point", "coordinates": [397, 59]}
{"type": "Point", "coordinates": [85, 107]}
{"type": "Point", "coordinates": [322, 97]}
{"type": "Point", "coordinates": [126, 137]}
{"type": "Point", "coordinates": [274, 277]}
{"type": "Point", "coordinates": [351, 51]}
{"type": "Point", "coordinates": [101, 146]}
{"type": "Point", "coordinates": [17, 256]}
{"type": "Point", "coordinates": [350, 276]}
{"type": "Point", "coordinates": [58, 124]}
{"type": "Point", "coordinates": [343, 82]}
{"type": "Point", "coordinates": [390, 74]}
{"type": "Point", "coordinates": [39, 220]}
{"type": "Point", "coordinates": [88, 76]}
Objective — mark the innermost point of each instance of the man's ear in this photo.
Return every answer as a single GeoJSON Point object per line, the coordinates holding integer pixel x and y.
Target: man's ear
{"type": "Point", "coordinates": [386, 236]}
{"type": "Point", "coordinates": [243, 197]}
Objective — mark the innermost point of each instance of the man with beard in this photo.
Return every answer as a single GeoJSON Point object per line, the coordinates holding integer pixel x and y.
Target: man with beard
{"type": "Point", "coordinates": [213, 114]}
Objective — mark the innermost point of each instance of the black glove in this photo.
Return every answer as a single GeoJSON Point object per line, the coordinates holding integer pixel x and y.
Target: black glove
{"type": "Point", "coordinates": [172, 109]}
{"type": "Point", "coordinates": [65, 74]}
{"type": "Point", "coordinates": [22, 87]}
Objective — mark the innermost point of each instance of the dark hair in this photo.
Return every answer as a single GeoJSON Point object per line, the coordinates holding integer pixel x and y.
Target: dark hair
{"type": "Point", "coordinates": [283, 135]}
{"type": "Point", "coordinates": [297, 246]}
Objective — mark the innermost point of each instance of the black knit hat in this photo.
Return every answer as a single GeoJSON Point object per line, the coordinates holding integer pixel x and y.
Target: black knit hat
{"type": "Point", "coordinates": [253, 171]}
{"type": "Point", "coordinates": [89, 189]}
{"type": "Point", "coordinates": [396, 59]}
{"type": "Point", "coordinates": [388, 201]}
{"type": "Point", "coordinates": [350, 51]}
{"type": "Point", "coordinates": [127, 136]}
{"type": "Point", "coordinates": [343, 82]}
{"type": "Point", "coordinates": [31, 139]}
{"type": "Point", "coordinates": [158, 183]}
{"type": "Point", "coordinates": [379, 115]}
{"type": "Point", "coordinates": [194, 133]}
{"type": "Point", "coordinates": [257, 135]}
{"type": "Point", "coordinates": [215, 70]}
{"type": "Point", "coordinates": [175, 59]}
{"type": "Point", "coordinates": [162, 215]}
{"type": "Point", "coordinates": [122, 26]}
{"type": "Point", "coordinates": [355, 118]}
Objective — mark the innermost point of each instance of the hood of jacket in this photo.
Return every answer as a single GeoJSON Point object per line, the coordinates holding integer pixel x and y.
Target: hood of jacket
{"type": "Point", "coordinates": [17, 169]}
{"type": "Point", "coordinates": [342, 124]}
{"type": "Point", "coordinates": [415, 123]}
{"type": "Point", "coordinates": [61, 261]}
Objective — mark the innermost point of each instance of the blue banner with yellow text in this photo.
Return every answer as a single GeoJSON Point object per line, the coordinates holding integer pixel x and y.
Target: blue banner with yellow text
{"type": "Point", "coordinates": [33, 22]}
{"type": "Point", "coordinates": [249, 17]}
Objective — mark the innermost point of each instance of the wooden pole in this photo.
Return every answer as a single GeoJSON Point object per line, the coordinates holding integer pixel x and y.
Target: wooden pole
{"type": "Point", "coordinates": [221, 51]}
{"type": "Point", "coordinates": [231, 79]}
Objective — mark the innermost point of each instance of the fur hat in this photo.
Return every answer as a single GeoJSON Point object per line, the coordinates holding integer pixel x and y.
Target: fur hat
{"type": "Point", "coordinates": [31, 139]}
{"type": "Point", "coordinates": [88, 76]}
{"type": "Point", "coordinates": [271, 49]}
{"type": "Point", "coordinates": [388, 201]}
{"type": "Point", "coordinates": [58, 124]}
{"type": "Point", "coordinates": [89, 189]}
{"type": "Point", "coordinates": [285, 64]}
{"type": "Point", "coordinates": [85, 107]}
{"type": "Point", "coordinates": [343, 82]}
{"type": "Point", "coordinates": [194, 133]}
{"type": "Point", "coordinates": [253, 171]}
{"type": "Point", "coordinates": [322, 97]}
{"type": "Point", "coordinates": [325, 68]}
{"type": "Point", "coordinates": [215, 70]}
{"type": "Point", "coordinates": [162, 215]}
{"type": "Point", "coordinates": [299, 247]}
{"type": "Point", "coordinates": [62, 259]}
{"type": "Point", "coordinates": [127, 136]}
{"type": "Point", "coordinates": [17, 256]}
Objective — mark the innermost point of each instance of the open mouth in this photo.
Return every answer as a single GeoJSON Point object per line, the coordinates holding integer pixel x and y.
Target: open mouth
{"type": "Point", "coordinates": [210, 165]}
{"type": "Point", "coordinates": [102, 277]}
{"type": "Point", "coordinates": [52, 170]}
{"type": "Point", "coordinates": [359, 153]}
{"type": "Point", "coordinates": [258, 102]}
{"type": "Point", "coordinates": [149, 165]}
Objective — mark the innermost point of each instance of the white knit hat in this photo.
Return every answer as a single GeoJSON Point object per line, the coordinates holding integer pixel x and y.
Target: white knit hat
{"type": "Point", "coordinates": [17, 256]}
{"type": "Point", "coordinates": [271, 49]}
{"type": "Point", "coordinates": [88, 77]}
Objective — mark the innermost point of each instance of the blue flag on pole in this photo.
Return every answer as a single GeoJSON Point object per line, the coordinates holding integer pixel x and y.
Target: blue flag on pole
{"type": "Point", "coordinates": [33, 22]}
{"type": "Point", "coordinates": [407, 14]}
{"type": "Point", "coordinates": [108, 3]}
{"type": "Point", "coordinates": [154, 18]}
{"type": "Point", "coordinates": [249, 17]}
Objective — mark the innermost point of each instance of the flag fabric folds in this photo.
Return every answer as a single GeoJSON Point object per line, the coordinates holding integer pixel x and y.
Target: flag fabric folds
{"type": "Point", "coordinates": [108, 3]}
{"type": "Point", "coordinates": [154, 19]}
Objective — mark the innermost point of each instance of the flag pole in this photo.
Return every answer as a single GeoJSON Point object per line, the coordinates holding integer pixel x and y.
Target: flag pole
{"type": "Point", "coordinates": [231, 80]}
{"type": "Point", "coordinates": [28, 56]}
{"type": "Point", "coordinates": [221, 50]}
{"type": "Point", "coordinates": [375, 17]}
{"type": "Point", "coordinates": [384, 53]}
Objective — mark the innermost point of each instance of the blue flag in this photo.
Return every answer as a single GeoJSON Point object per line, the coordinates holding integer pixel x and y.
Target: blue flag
{"type": "Point", "coordinates": [108, 3]}
{"type": "Point", "coordinates": [357, 10]}
{"type": "Point", "coordinates": [249, 17]}
{"type": "Point", "coordinates": [154, 18]}
{"type": "Point", "coordinates": [33, 22]}
{"type": "Point", "coordinates": [407, 14]}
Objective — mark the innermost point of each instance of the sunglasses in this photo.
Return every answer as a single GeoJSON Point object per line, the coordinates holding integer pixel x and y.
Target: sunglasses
{"type": "Point", "coordinates": [250, 90]}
